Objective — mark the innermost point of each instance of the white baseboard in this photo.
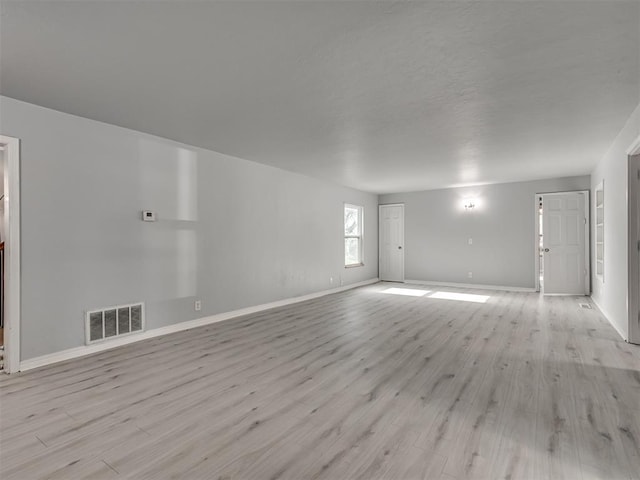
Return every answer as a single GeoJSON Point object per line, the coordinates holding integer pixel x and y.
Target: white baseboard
{"type": "Point", "coordinates": [76, 352]}
{"type": "Point", "coordinates": [471, 285]}
{"type": "Point", "coordinates": [608, 318]}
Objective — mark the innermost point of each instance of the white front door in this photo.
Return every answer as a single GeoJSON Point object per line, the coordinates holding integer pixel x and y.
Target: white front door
{"type": "Point", "coordinates": [564, 243]}
{"type": "Point", "coordinates": [391, 243]}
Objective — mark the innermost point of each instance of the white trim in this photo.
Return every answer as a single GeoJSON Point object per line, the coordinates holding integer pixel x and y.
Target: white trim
{"type": "Point", "coordinates": [596, 225]}
{"type": "Point", "coordinates": [634, 148]}
{"type": "Point", "coordinates": [633, 244]}
{"type": "Point", "coordinates": [633, 314]}
{"type": "Point", "coordinates": [11, 253]}
{"type": "Point", "coordinates": [587, 242]}
{"type": "Point", "coordinates": [608, 319]}
{"type": "Point", "coordinates": [476, 286]}
{"type": "Point", "coordinates": [177, 327]}
{"type": "Point", "coordinates": [536, 270]}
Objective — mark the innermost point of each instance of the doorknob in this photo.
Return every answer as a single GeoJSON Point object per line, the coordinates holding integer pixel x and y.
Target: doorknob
{"type": "Point", "coordinates": [399, 247]}
{"type": "Point", "coordinates": [546, 249]}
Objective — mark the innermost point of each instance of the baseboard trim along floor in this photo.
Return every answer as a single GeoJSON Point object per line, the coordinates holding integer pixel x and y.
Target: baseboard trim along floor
{"type": "Point", "coordinates": [84, 350]}
{"type": "Point", "coordinates": [606, 315]}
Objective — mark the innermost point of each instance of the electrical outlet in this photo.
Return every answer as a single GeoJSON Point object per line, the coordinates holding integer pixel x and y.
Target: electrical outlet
{"type": "Point", "coordinates": [197, 305]}
{"type": "Point", "coordinates": [470, 274]}
{"type": "Point", "coordinates": [331, 280]}
{"type": "Point", "coordinates": [471, 241]}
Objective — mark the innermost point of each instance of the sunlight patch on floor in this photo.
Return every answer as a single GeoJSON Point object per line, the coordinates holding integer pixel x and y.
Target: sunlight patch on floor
{"type": "Point", "coordinates": [463, 297]}
{"type": "Point", "coordinates": [406, 291]}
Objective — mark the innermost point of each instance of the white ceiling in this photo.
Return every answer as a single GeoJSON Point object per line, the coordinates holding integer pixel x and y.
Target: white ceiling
{"type": "Point", "coordinates": [381, 96]}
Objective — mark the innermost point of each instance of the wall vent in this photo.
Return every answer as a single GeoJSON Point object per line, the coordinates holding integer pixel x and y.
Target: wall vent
{"type": "Point", "coordinates": [113, 322]}
{"type": "Point", "coordinates": [585, 305]}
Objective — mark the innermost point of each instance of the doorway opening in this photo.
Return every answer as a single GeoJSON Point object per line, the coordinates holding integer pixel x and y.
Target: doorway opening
{"type": "Point", "coordinates": [634, 247]}
{"type": "Point", "coordinates": [10, 253]}
{"type": "Point", "coordinates": [2, 235]}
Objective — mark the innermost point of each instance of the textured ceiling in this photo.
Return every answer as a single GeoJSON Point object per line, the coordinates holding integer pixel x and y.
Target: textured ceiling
{"type": "Point", "coordinates": [381, 96]}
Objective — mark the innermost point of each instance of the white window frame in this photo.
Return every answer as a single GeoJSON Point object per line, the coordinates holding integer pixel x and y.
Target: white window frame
{"type": "Point", "coordinates": [360, 237]}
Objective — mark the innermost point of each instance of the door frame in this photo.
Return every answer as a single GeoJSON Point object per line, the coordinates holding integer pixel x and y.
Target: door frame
{"type": "Point", "coordinates": [587, 238]}
{"type": "Point", "coordinates": [12, 267]}
{"type": "Point", "coordinates": [536, 246]}
{"type": "Point", "coordinates": [633, 205]}
{"type": "Point", "coordinates": [380, 206]}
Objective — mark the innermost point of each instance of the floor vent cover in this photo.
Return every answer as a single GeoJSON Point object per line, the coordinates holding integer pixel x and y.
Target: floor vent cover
{"type": "Point", "coordinates": [114, 322]}
{"type": "Point", "coordinates": [585, 305]}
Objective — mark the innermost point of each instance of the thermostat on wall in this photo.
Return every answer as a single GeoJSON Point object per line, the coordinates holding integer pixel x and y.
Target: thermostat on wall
{"type": "Point", "coordinates": [148, 216]}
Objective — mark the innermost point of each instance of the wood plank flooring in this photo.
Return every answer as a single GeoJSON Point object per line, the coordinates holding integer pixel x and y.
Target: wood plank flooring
{"type": "Point", "coordinates": [361, 384]}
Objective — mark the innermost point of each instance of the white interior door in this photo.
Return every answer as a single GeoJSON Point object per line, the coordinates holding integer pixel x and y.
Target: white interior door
{"type": "Point", "coordinates": [564, 243]}
{"type": "Point", "coordinates": [391, 243]}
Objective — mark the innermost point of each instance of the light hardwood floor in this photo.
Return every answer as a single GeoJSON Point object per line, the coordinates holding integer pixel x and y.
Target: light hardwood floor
{"type": "Point", "coordinates": [360, 384]}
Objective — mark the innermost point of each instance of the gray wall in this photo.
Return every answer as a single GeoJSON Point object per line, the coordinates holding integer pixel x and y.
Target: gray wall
{"type": "Point", "coordinates": [612, 294]}
{"type": "Point", "coordinates": [437, 230]}
{"type": "Point", "coordinates": [231, 232]}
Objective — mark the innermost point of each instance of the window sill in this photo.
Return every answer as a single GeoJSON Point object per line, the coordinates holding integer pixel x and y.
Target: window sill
{"type": "Point", "coordinates": [354, 265]}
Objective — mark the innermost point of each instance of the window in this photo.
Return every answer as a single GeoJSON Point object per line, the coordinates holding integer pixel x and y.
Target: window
{"type": "Point", "coordinates": [353, 220]}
